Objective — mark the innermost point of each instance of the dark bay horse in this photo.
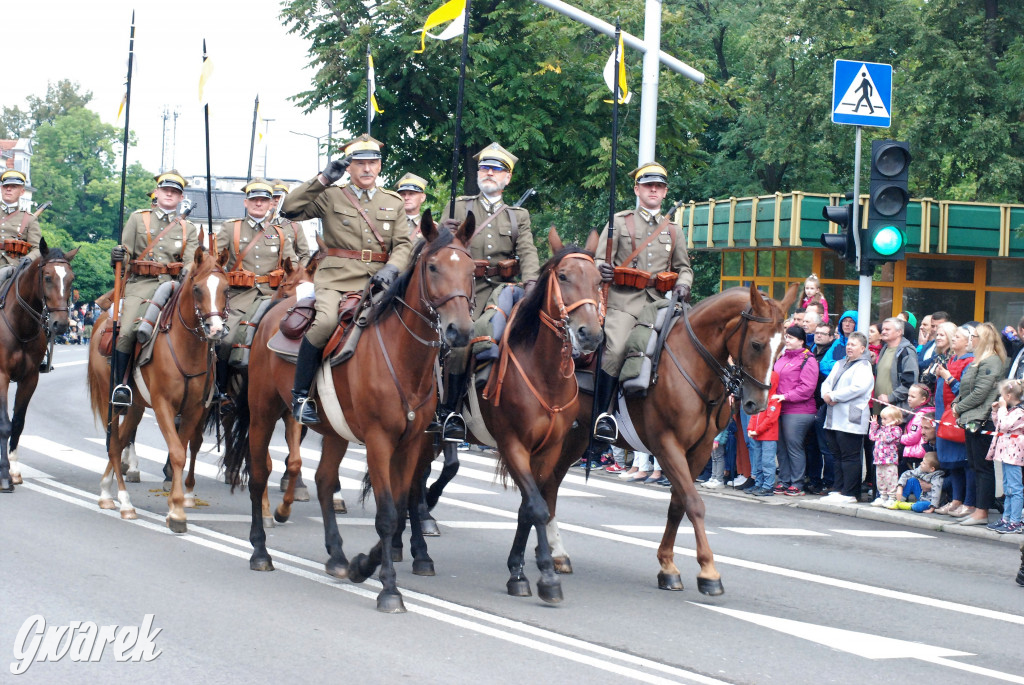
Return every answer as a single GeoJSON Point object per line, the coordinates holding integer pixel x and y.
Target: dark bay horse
{"type": "Point", "coordinates": [386, 394]}
{"type": "Point", "coordinates": [34, 309]}
{"type": "Point", "coordinates": [679, 418]}
{"type": "Point", "coordinates": [176, 383]}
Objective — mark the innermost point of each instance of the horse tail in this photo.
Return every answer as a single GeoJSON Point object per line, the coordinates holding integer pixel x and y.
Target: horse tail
{"type": "Point", "coordinates": [367, 488]}
{"type": "Point", "coordinates": [98, 390]}
{"type": "Point", "coordinates": [236, 448]}
{"type": "Point", "coordinates": [501, 472]}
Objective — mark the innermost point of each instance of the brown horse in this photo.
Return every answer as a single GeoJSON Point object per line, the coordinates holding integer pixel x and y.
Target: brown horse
{"type": "Point", "coordinates": [34, 309]}
{"type": "Point", "coordinates": [386, 394]}
{"type": "Point", "coordinates": [687, 407]}
{"type": "Point", "coordinates": [176, 383]}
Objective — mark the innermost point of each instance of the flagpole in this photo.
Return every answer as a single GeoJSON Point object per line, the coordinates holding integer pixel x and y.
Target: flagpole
{"type": "Point", "coordinates": [458, 110]}
{"type": "Point", "coordinates": [252, 137]}
{"type": "Point", "coordinates": [369, 93]}
{"type": "Point", "coordinates": [209, 179]}
{"type": "Point", "coordinates": [118, 285]}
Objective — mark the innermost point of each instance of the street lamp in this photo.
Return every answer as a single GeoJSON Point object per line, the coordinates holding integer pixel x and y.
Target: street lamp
{"type": "Point", "coordinates": [317, 139]}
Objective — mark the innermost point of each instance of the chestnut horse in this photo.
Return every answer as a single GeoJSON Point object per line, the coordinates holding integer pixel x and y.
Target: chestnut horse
{"type": "Point", "coordinates": [177, 381]}
{"type": "Point", "coordinates": [724, 345]}
{"type": "Point", "coordinates": [387, 394]}
{"type": "Point", "coordinates": [34, 309]}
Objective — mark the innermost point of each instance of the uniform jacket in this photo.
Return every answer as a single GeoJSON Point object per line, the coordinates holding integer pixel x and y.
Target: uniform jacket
{"type": "Point", "coordinates": [10, 224]}
{"type": "Point", "coordinates": [912, 439]}
{"type": "Point", "coordinates": [1008, 448]}
{"type": "Point", "coordinates": [765, 425]}
{"type": "Point", "coordinates": [274, 244]}
{"type": "Point", "coordinates": [300, 244]}
{"type": "Point", "coordinates": [344, 228]}
{"type": "Point", "coordinates": [850, 384]}
{"type": "Point", "coordinates": [177, 245]}
{"type": "Point", "coordinates": [798, 377]}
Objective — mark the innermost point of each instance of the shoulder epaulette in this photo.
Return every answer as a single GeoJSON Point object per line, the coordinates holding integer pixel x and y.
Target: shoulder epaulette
{"type": "Point", "coordinates": [468, 198]}
{"type": "Point", "coordinates": [391, 193]}
{"type": "Point", "coordinates": [625, 212]}
{"type": "Point", "coordinates": [143, 211]}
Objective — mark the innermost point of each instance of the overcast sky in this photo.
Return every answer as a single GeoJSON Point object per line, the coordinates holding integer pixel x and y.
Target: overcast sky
{"type": "Point", "coordinates": [87, 42]}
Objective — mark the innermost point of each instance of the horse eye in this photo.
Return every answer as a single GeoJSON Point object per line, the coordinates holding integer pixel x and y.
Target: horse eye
{"type": "Point", "coordinates": [432, 267]}
{"type": "Point", "coordinates": [757, 346]}
{"type": "Point", "coordinates": [562, 277]}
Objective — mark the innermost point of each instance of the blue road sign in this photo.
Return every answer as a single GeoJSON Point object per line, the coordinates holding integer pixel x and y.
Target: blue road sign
{"type": "Point", "coordinates": [862, 93]}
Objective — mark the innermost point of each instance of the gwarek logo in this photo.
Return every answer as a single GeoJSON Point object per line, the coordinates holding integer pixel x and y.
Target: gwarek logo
{"type": "Point", "coordinates": [82, 641]}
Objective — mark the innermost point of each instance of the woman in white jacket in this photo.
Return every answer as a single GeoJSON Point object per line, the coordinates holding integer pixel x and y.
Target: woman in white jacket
{"type": "Point", "coordinates": [847, 392]}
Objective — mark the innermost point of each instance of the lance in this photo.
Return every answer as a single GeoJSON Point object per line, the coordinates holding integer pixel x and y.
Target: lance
{"type": "Point", "coordinates": [595, 411]}
{"type": "Point", "coordinates": [209, 181]}
{"type": "Point", "coordinates": [252, 137]}
{"type": "Point", "coordinates": [120, 217]}
{"type": "Point", "coordinates": [369, 94]}
{"type": "Point", "coordinates": [458, 111]}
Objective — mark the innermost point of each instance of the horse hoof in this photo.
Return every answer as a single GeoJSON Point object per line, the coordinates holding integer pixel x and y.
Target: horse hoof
{"type": "Point", "coordinates": [711, 587]}
{"type": "Point", "coordinates": [6, 485]}
{"type": "Point", "coordinates": [390, 603]}
{"type": "Point", "coordinates": [124, 468]}
{"type": "Point", "coordinates": [107, 504]}
{"type": "Point", "coordinates": [280, 516]}
{"type": "Point", "coordinates": [670, 581]}
{"type": "Point", "coordinates": [423, 567]}
{"type": "Point", "coordinates": [16, 479]}
{"type": "Point", "coordinates": [519, 587]}
{"type": "Point", "coordinates": [167, 486]}
{"type": "Point", "coordinates": [268, 522]}
{"type": "Point", "coordinates": [339, 506]}
{"type": "Point", "coordinates": [355, 569]}
{"type": "Point", "coordinates": [284, 483]}
{"type": "Point", "coordinates": [132, 476]}
{"type": "Point", "coordinates": [302, 494]}
{"type": "Point", "coordinates": [260, 564]}
{"type": "Point", "coordinates": [396, 555]}
{"type": "Point", "coordinates": [336, 569]}
{"type": "Point", "coordinates": [130, 515]}
{"type": "Point", "coordinates": [190, 502]}
{"type": "Point", "coordinates": [563, 565]}
{"type": "Point", "coordinates": [177, 525]}
{"type": "Point", "coordinates": [550, 592]}
{"type": "Point", "coordinates": [429, 528]}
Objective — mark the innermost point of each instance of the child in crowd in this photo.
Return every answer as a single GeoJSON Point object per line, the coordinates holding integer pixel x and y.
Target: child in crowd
{"type": "Point", "coordinates": [1008, 447]}
{"type": "Point", "coordinates": [812, 295]}
{"type": "Point", "coordinates": [717, 479]}
{"type": "Point", "coordinates": [764, 429]}
{"type": "Point", "coordinates": [922, 484]}
{"type": "Point", "coordinates": [918, 399]}
{"type": "Point", "coordinates": [886, 438]}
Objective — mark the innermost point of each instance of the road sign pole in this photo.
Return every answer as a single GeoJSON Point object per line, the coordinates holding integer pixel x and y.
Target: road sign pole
{"type": "Point", "coordinates": [864, 282]}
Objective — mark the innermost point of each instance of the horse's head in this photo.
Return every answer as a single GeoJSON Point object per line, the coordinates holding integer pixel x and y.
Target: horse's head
{"type": "Point", "coordinates": [574, 292]}
{"type": "Point", "coordinates": [208, 284]}
{"type": "Point", "coordinates": [757, 349]}
{"type": "Point", "coordinates": [446, 272]}
{"type": "Point", "coordinates": [55, 279]}
{"type": "Point", "coordinates": [296, 275]}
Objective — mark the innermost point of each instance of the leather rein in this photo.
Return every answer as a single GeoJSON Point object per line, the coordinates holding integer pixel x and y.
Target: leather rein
{"type": "Point", "coordinates": [41, 317]}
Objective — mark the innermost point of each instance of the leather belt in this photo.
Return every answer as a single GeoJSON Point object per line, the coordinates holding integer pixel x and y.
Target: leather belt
{"type": "Point", "coordinates": [361, 255]}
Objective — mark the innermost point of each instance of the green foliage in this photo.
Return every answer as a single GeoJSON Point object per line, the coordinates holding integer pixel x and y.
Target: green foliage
{"type": "Point", "coordinates": [60, 98]}
{"type": "Point", "coordinates": [93, 275]}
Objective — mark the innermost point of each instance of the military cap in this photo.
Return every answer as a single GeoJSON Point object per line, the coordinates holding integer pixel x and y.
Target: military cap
{"type": "Point", "coordinates": [363, 147]}
{"type": "Point", "coordinates": [12, 177]}
{"type": "Point", "coordinates": [651, 172]}
{"type": "Point", "coordinates": [496, 154]}
{"type": "Point", "coordinates": [258, 188]}
{"type": "Point", "coordinates": [411, 182]}
{"type": "Point", "coordinates": [171, 179]}
{"type": "Point", "coordinates": [280, 187]}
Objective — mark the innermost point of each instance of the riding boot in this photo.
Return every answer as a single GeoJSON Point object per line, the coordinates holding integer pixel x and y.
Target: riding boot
{"type": "Point", "coordinates": [220, 394]}
{"type": "Point", "coordinates": [303, 408]}
{"type": "Point", "coordinates": [606, 429]}
{"type": "Point", "coordinates": [453, 426]}
{"type": "Point", "coordinates": [122, 395]}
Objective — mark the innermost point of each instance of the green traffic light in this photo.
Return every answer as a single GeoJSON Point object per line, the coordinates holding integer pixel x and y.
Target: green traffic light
{"type": "Point", "coordinates": [887, 241]}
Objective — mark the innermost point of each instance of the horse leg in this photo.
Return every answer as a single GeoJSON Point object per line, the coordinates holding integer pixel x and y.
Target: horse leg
{"type": "Point", "coordinates": [326, 479]}
{"type": "Point", "coordinates": [22, 396]}
{"type": "Point", "coordinates": [448, 472]}
{"type": "Point", "coordinates": [260, 430]}
{"type": "Point", "coordinates": [428, 526]}
{"type": "Point", "coordinates": [686, 499]}
{"type": "Point", "coordinates": [6, 479]}
{"type": "Point", "coordinates": [120, 432]}
{"type": "Point", "coordinates": [574, 446]}
{"type": "Point", "coordinates": [165, 413]}
{"type": "Point", "coordinates": [533, 513]}
{"type": "Point", "coordinates": [194, 445]}
{"type": "Point", "coordinates": [268, 518]}
{"type": "Point", "coordinates": [132, 474]}
{"type": "Point", "coordinates": [422, 564]}
{"type": "Point", "coordinates": [293, 471]}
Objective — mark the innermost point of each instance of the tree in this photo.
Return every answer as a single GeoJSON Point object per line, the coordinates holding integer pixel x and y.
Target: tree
{"type": "Point", "coordinates": [61, 97]}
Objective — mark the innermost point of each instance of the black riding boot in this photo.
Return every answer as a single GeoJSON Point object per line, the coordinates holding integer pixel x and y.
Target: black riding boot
{"type": "Point", "coordinates": [122, 395]}
{"type": "Point", "coordinates": [304, 409]}
{"type": "Point", "coordinates": [606, 429]}
{"type": "Point", "coordinates": [451, 425]}
{"type": "Point", "coordinates": [220, 394]}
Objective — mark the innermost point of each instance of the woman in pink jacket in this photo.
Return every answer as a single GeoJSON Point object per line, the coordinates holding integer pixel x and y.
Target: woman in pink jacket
{"type": "Point", "coordinates": [798, 379]}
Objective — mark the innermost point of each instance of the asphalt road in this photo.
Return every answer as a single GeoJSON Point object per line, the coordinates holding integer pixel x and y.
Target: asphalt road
{"type": "Point", "coordinates": [811, 596]}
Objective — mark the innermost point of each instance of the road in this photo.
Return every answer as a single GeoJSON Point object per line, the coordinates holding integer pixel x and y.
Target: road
{"type": "Point", "coordinates": [811, 596]}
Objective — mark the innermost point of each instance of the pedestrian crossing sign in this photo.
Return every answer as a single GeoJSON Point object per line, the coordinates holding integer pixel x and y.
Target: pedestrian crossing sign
{"type": "Point", "coordinates": [862, 93]}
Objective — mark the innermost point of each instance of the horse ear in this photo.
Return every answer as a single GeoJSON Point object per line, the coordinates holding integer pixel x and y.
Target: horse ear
{"type": "Point", "coordinates": [592, 240]}
{"type": "Point", "coordinates": [321, 246]}
{"type": "Point", "coordinates": [44, 249]}
{"type": "Point", "coordinates": [428, 229]}
{"type": "Point", "coordinates": [554, 240]}
{"type": "Point", "coordinates": [288, 268]}
{"type": "Point", "coordinates": [222, 258]}
{"type": "Point", "coordinates": [198, 257]}
{"type": "Point", "coordinates": [467, 229]}
{"type": "Point", "coordinates": [71, 255]}
{"type": "Point", "coordinates": [790, 297]}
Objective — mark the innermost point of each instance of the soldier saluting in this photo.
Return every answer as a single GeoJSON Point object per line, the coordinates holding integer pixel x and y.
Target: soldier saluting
{"type": "Point", "coordinates": [19, 230]}
{"type": "Point", "coordinates": [367, 240]}
{"type": "Point", "coordinates": [643, 241]}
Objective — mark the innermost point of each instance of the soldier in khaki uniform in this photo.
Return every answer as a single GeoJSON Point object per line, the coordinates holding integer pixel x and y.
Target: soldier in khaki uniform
{"type": "Point", "coordinates": [413, 190]}
{"type": "Point", "coordinates": [367, 239]}
{"type": "Point", "coordinates": [293, 228]}
{"type": "Point", "coordinates": [666, 252]}
{"type": "Point", "coordinates": [502, 234]}
{"type": "Point", "coordinates": [16, 224]}
{"type": "Point", "coordinates": [157, 245]}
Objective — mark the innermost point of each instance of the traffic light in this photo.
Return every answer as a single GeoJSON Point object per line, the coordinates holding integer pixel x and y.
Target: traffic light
{"type": "Point", "coordinates": [885, 238]}
{"type": "Point", "coordinates": [842, 242]}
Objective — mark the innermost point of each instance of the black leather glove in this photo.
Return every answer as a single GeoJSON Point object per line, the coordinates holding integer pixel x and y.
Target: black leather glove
{"type": "Point", "coordinates": [336, 169]}
{"type": "Point", "coordinates": [385, 277]}
{"type": "Point", "coordinates": [607, 271]}
{"type": "Point", "coordinates": [451, 224]}
{"type": "Point", "coordinates": [683, 291]}
{"type": "Point", "coordinates": [117, 255]}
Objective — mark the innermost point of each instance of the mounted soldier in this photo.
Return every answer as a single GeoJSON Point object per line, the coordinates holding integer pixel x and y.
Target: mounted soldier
{"type": "Point", "coordinates": [299, 242]}
{"type": "Point", "coordinates": [413, 190]}
{"type": "Point", "coordinates": [19, 230]}
{"type": "Point", "coordinates": [158, 245]}
{"type": "Point", "coordinates": [645, 243]}
{"type": "Point", "coordinates": [503, 249]}
{"type": "Point", "coordinates": [367, 240]}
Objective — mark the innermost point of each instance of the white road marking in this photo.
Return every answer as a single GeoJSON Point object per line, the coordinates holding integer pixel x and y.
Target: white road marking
{"type": "Point", "coordinates": [882, 533]}
{"type": "Point", "coordinates": [74, 457]}
{"type": "Point", "coordinates": [775, 531]}
{"type": "Point", "coordinates": [63, 364]}
{"type": "Point", "coordinates": [658, 530]}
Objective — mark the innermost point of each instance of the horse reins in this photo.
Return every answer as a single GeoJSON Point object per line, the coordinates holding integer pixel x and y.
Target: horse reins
{"type": "Point", "coordinates": [41, 317]}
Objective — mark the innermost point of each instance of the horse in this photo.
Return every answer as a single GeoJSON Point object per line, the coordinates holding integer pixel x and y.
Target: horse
{"type": "Point", "coordinates": [725, 345]}
{"type": "Point", "coordinates": [175, 383]}
{"type": "Point", "coordinates": [36, 313]}
{"type": "Point", "coordinates": [387, 395]}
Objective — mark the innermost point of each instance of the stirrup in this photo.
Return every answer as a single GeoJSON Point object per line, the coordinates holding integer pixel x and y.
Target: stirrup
{"type": "Point", "coordinates": [304, 411]}
{"type": "Point", "coordinates": [121, 398]}
{"type": "Point", "coordinates": [454, 428]}
{"type": "Point", "coordinates": [606, 428]}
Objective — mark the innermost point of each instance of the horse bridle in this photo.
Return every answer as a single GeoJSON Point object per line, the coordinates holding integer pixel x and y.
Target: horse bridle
{"type": "Point", "coordinates": [432, 318]}
{"type": "Point", "coordinates": [41, 317]}
{"type": "Point", "coordinates": [199, 331]}
{"type": "Point", "coordinates": [731, 375]}
{"type": "Point", "coordinates": [560, 326]}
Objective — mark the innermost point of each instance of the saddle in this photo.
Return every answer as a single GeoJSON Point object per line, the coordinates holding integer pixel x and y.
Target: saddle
{"type": "Point", "coordinates": [643, 348]}
{"type": "Point", "coordinates": [342, 344]}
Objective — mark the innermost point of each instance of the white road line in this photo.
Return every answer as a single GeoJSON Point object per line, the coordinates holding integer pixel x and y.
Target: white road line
{"type": "Point", "coordinates": [882, 533]}
{"type": "Point", "coordinates": [75, 457]}
{"type": "Point", "coordinates": [658, 530]}
{"type": "Point", "coordinates": [78, 363]}
{"type": "Point", "coordinates": [599, 657]}
{"type": "Point", "coordinates": [775, 531]}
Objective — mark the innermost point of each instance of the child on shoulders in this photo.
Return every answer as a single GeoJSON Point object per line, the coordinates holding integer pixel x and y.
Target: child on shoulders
{"type": "Point", "coordinates": [812, 295]}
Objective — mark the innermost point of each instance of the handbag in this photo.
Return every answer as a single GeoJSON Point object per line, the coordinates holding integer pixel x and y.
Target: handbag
{"type": "Point", "coordinates": [948, 430]}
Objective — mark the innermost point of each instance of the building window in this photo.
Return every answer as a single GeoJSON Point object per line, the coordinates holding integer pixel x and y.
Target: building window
{"type": "Point", "coordinates": [941, 270]}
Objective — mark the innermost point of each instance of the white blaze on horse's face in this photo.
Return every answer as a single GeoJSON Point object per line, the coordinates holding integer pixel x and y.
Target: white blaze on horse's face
{"type": "Point", "coordinates": [214, 323]}
{"type": "Point", "coordinates": [773, 344]}
{"type": "Point", "coordinates": [455, 256]}
{"type": "Point", "coordinates": [61, 275]}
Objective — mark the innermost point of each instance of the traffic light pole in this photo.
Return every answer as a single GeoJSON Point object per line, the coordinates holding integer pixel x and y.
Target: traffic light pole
{"type": "Point", "coordinates": [864, 284]}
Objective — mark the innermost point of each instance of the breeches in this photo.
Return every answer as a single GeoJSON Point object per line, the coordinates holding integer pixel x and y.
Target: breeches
{"type": "Point", "coordinates": [326, 319]}
{"type": "Point", "coordinates": [617, 327]}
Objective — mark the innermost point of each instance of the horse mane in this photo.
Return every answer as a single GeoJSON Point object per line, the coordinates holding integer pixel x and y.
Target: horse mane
{"type": "Point", "coordinates": [53, 254]}
{"type": "Point", "coordinates": [383, 307]}
{"type": "Point", "coordinates": [526, 325]}
{"type": "Point", "coordinates": [741, 293]}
